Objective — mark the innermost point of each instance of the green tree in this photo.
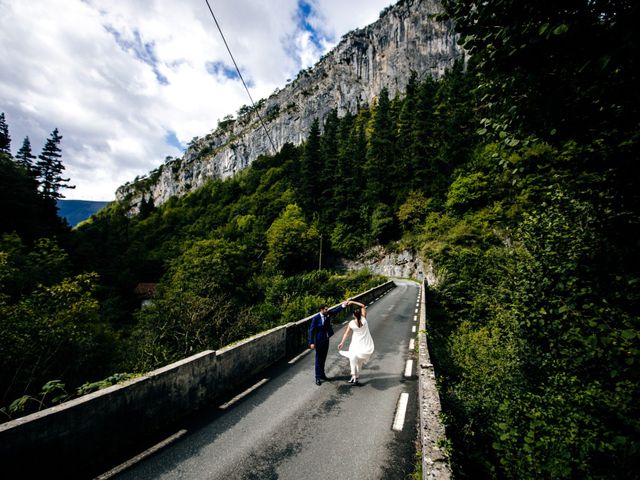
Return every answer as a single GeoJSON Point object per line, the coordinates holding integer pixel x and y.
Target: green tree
{"type": "Point", "coordinates": [50, 168]}
{"type": "Point", "coordinates": [146, 207]}
{"type": "Point", "coordinates": [329, 175]}
{"type": "Point", "coordinates": [382, 224]}
{"type": "Point", "coordinates": [5, 138]}
{"type": "Point", "coordinates": [310, 183]}
{"type": "Point", "coordinates": [380, 153]}
{"type": "Point", "coordinates": [351, 181]}
{"type": "Point", "coordinates": [25, 157]}
{"type": "Point", "coordinates": [196, 307]}
{"type": "Point", "coordinates": [51, 333]}
{"type": "Point", "coordinates": [582, 53]}
{"type": "Point", "coordinates": [414, 210]}
{"type": "Point", "coordinates": [292, 243]}
{"type": "Point", "coordinates": [22, 209]}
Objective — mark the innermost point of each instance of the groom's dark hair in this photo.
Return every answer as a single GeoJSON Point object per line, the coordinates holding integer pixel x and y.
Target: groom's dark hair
{"type": "Point", "coordinates": [322, 305]}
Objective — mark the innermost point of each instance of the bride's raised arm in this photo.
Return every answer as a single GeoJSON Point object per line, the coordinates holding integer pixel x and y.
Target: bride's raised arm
{"type": "Point", "coordinates": [363, 308]}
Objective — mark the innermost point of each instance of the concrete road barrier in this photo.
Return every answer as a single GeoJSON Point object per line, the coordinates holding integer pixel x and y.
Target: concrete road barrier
{"type": "Point", "coordinates": [82, 437]}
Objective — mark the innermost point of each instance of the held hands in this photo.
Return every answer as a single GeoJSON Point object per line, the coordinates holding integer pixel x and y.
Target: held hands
{"type": "Point", "coordinates": [312, 346]}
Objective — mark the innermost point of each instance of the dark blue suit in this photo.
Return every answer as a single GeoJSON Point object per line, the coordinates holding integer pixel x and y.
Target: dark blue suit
{"type": "Point", "coordinates": [320, 330]}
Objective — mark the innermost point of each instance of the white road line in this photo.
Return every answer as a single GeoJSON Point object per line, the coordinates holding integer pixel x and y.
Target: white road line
{"type": "Point", "coordinates": [415, 318]}
{"type": "Point", "coordinates": [413, 329]}
{"type": "Point", "coordinates": [408, 368]}
{"type": "Point", "coordinates": [150, 451]}
{"type": "Point", "coordinates": [224, 406]}
{"type": "Point", "coordinates": [412, 344]}
{"type": "Point", "coordinates": [295, 359]}
{"type": "Point", "coordinates": [416, 311]}
{"type": "Point", "coordinates": [401, 410]}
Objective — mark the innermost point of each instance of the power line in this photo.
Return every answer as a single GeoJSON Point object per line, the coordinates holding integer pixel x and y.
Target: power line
{"type": "Point", "coordinates": [242, 79]}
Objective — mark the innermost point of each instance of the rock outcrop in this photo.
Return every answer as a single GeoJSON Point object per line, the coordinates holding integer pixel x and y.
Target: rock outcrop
{"type": "Point", "coordinates": [404, 264]}
{"type": "Point", "coordinates": [404, 39]}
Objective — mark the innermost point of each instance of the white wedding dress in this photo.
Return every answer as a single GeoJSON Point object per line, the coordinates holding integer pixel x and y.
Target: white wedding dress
{"type": "Point", "coordinates": [361, 347]}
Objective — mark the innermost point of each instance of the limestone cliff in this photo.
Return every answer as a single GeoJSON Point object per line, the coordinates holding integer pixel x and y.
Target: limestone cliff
{"type": "Point", "coordinates": [404, 39]}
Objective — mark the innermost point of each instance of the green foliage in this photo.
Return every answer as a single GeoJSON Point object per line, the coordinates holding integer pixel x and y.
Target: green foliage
{"type": "Point", "coordinates": [291, 242]}
{"type": "Point", "coordinates": [382, 223]}
{"type": "Point", "coordinates": [111, 380]}
{"type": "Point", "coordinates": [468, 192]}
{"type": "Point", "coordinates": [22, 209]}
{"type": "Point", "coordinates": [544, 364]}
{"type": "Point", "coordinates": [414, 210]}
{"type": "Point", "coordinates": [52, 393]}
{"type": "Point", "coordinates": [553, 70]}
{"type": "Point", "coordinates": [51, 331]}
{"type": "Point", "coordinates": [347, 239]}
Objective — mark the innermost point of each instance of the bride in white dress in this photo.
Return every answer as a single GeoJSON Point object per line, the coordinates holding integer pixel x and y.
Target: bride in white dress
{"type": "Point", "coordinates": [361, 346]}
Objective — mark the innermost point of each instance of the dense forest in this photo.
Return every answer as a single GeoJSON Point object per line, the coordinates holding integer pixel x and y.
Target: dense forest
{"type": "Point", "coordinates": [514, 174]}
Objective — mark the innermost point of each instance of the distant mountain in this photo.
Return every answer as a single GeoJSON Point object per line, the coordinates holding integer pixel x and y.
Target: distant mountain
{"type": "Point", "coordinates": [75, 211]}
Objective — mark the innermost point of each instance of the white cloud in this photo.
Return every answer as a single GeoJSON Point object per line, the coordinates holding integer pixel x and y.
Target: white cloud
{"type": "Point", "coordinates": [117, 77]}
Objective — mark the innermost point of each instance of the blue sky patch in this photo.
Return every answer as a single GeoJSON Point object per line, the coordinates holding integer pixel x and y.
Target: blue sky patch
{"type": "Point", "coordinates": [305, 11]}
{"type": "Point", "coordinates": [172, 140]}
{"type": "Point", "coordinates": [220, 68]}
{"type": "Point", "coordinates": [143, 51]}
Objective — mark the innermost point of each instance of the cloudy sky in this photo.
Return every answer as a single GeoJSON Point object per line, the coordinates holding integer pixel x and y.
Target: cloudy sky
{"type": "Point", "coordinates": [129, 82]}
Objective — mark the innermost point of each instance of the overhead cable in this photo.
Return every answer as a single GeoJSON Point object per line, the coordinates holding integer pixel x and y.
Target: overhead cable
{"type": "Point", "coordinates": [242, 79]}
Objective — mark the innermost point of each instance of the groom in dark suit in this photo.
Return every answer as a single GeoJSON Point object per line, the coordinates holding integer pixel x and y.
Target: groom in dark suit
{"type": "Point", "coordinates": [320, 330]}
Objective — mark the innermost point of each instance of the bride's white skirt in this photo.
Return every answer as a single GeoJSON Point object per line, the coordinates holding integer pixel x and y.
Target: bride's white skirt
{"type": "Point", "coordinates": [361, 347]}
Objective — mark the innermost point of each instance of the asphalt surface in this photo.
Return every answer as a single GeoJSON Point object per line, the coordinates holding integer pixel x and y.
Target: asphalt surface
{"type": "Point", "coordinates": [290, 428]}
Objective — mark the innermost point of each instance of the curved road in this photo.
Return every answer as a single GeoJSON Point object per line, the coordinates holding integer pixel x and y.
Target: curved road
{"type": "Point", "coordinates": [289, 428]}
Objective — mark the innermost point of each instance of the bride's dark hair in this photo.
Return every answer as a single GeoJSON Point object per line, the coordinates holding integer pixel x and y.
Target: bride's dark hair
{"type": "Point", "coordinates": [357, 314]}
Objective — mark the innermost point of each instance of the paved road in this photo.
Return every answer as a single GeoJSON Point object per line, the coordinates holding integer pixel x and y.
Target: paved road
{"type": "Point", "coordinates": [289, 428]}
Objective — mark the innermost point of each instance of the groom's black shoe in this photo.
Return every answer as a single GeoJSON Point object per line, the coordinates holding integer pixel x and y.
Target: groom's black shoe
{"type": "Point", "coordinates": [325, 378]}
{"type": "Point", "coordinates": [318, 382]}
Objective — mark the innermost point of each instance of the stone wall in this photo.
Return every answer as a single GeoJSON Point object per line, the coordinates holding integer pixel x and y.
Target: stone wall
{"type": "Point", "coordinates": [435, 462]}
{"type": "Point", "coordinates": [88, 435]}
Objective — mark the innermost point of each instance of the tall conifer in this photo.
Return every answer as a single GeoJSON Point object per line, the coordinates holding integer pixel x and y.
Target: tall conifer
{"type": "Point", "coordinates": [50, 168]}
{"type": "Point", "coordinates": [25, 156]}
{"type": "Point", "coordinates": [310, 170]}
{"type": "Point", "coordinates": [5, 139]}
{"type": "Point", "coordinates": [381, 149]}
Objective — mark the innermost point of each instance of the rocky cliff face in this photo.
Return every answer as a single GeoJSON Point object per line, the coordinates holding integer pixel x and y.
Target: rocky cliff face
{"type": "Point", "coordinates": [384, 54]}
{"type": "Point", "coordinates": [404, 264]}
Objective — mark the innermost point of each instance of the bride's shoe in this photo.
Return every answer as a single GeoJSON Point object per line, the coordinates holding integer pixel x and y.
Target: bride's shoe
{"type": "Point", "coordinates": [353, 379]}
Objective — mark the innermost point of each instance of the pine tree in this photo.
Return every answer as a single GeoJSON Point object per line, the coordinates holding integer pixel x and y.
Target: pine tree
{"type": "Point", "coordinates": [329, 156]}
{"type": "Point", "coordinates": [25, 157]}
{"type": "Point", "coordinates": [380, 154]}
{"type": "Point", "coordinates": [5, 139]}
{"type": "Point", "coordinates": [310, 169]}
{"type": "Point", "coordinates": [406, 171]}
{"type": "Point", "coordinates": [50, 168]}
{"type": "Point", "coordinates": [423, 138]}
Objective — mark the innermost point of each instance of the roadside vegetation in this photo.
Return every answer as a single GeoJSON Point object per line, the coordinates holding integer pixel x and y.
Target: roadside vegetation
{"type": "Point", "coordinates": [515, 174]}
